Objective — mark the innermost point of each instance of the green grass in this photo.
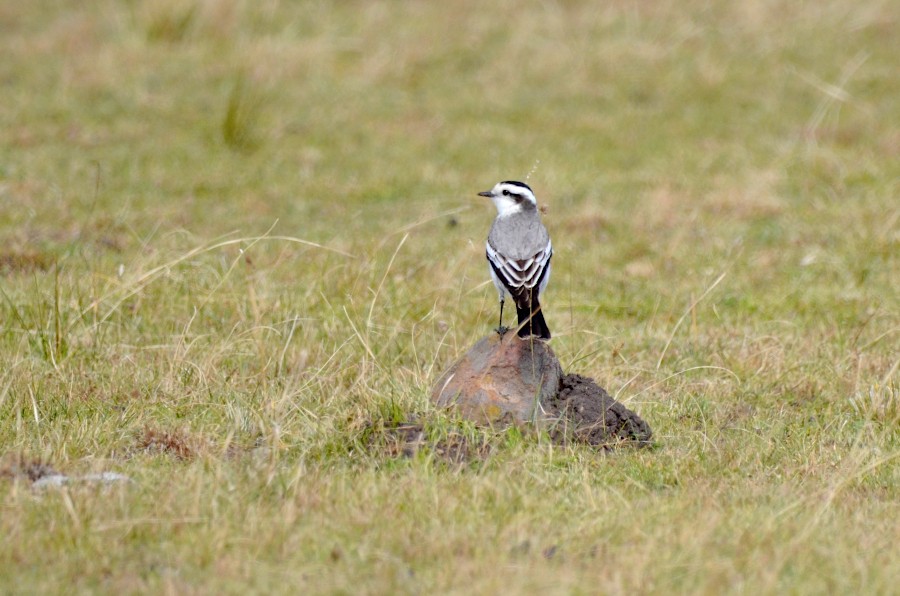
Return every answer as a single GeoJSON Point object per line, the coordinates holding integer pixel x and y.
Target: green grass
{"type": "Point", "coordinates": [233, 235]}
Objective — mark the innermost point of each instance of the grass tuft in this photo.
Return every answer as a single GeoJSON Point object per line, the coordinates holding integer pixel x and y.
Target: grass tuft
{"type": "Point", "coordinates": [879, 404]}
{"type": "Point", "coordinates": [240, 125]}
{"type": "Point", "coordinates": [170, 22]}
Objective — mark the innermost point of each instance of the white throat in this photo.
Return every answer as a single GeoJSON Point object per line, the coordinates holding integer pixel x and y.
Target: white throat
{"type": "Point", "coordinates": [506, 206]}
{"type": "Point", "coordinates": [511, 197]}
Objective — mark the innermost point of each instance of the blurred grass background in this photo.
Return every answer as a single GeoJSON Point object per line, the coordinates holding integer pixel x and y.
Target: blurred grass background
{"type": "Point", "coordinates": [249, 228]}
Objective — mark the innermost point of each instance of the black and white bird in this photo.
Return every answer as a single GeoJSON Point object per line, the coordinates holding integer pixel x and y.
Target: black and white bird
{"type": "Point", "coordinates": [518, 252]}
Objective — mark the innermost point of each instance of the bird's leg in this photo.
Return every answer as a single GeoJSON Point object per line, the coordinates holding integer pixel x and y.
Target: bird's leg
{"type": "Point", "coordinates": [501, 330]}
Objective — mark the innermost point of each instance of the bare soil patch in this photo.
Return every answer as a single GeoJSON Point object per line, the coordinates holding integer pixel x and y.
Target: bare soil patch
{"type": "Point", "coordinates": [406, 439]}
{"type": "Point", "coordinates": [588, 414]}
{"type": "Point", "coordinates": [13, 467]}
{"type": "Point", "coordinates": [23, 261]}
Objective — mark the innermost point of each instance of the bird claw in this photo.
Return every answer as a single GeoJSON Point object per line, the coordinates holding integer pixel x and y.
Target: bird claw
{"type": "Point", "coordinates": [501, 331]}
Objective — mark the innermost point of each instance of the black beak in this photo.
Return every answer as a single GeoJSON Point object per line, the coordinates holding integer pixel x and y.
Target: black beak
{"type": "Point", "coordinates": [486, 193]}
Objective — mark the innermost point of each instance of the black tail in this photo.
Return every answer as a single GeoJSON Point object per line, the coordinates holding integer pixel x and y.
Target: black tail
{"type": "Point", "coordinates": [532, 323]}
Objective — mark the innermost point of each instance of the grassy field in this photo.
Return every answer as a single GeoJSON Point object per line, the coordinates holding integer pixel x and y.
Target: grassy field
{"type": "Point", "coordinates": [237, 238]}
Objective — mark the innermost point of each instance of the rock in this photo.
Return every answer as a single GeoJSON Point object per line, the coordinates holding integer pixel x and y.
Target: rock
{"type": "Point", "coordinates": [51, 480]}
{"type": "Point", "coordinates": [57, 480]}
{"type": "Point", "coordinates": [501, 380]}
{"type": "Point", "coordinates": [521, 381]}
{"type": "Point", "coordinates": [106, 478]}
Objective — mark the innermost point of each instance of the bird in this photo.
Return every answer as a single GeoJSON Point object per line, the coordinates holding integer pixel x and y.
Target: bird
{"type": "Point", "coordinates": [518, 251]}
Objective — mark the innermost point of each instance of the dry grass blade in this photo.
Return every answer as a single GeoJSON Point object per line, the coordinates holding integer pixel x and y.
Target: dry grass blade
{"type": "Point", "coordinates": [147, 277]}
{"type": "Point", "coordinates": [683, 316]}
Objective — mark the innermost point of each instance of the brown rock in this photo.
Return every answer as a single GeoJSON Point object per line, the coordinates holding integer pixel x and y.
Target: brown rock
{"type": "Point", "coordinates": [501, 380]}
{"type": "Point", "coordinates": [520, 380]}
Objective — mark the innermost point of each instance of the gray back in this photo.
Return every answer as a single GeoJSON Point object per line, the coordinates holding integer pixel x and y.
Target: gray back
{"type": "Point", "coordinates": [519, 236]}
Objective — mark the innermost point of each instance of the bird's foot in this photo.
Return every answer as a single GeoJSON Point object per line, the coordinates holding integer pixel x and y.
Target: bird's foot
{"type": "Point", "coordinates": [501, 330]}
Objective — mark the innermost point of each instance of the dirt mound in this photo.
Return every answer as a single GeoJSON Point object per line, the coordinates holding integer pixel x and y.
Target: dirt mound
{"type": "Point", "coordinates": [587, 411]}
{"type": "Point", "coordinates": [579, 411]}
{"type": "Point", "coordinates": [405, 439]}
{"type": "Point", "coordinates": [503, 380]}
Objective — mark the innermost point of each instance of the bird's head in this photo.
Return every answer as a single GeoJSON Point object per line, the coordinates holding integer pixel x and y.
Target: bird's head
{"type": "Point", "coordinates": [511, 197]}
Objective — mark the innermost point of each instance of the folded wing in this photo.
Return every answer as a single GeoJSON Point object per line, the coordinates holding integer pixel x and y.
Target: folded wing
{"type": "Point", "coordinates": [519, 274]}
